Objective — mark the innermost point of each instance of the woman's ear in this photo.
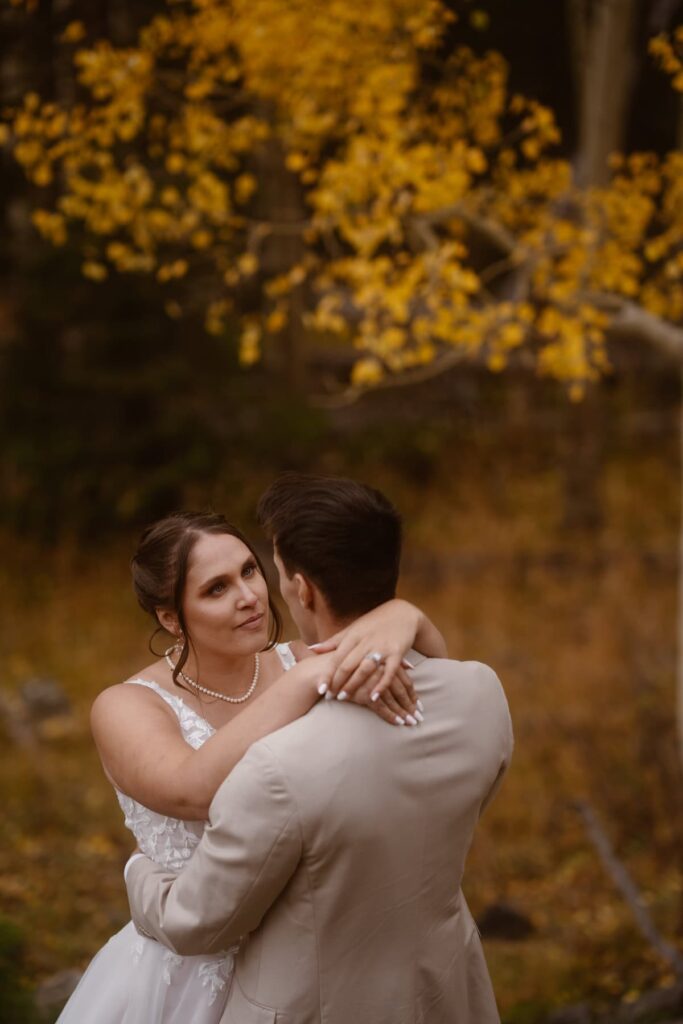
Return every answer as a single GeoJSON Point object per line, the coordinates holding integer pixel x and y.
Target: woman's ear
{"type": "Point", "coordinates": [168, 620]}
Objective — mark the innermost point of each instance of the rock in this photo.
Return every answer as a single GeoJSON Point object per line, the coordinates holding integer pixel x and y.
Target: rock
{"type": "Point", "coordinates": [14, 721]}
{"type": "Point", "coordinates": [503, 921]}
{"type": "Point", "coordinates": [55, 991]}
{"type": "Point", "coordinates": [44, 698]}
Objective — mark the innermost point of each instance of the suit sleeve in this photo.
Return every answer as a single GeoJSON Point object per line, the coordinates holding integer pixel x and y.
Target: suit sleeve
{"type": "Point", "coordinates": [245, 858]}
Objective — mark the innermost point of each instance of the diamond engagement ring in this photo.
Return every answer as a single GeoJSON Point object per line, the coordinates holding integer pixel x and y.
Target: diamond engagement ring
{"type": "Point", "coordinates": [376, 657]}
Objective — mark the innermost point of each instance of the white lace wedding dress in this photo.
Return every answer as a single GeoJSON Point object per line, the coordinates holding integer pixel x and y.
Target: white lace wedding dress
{"type": "Point", "coordinates": [136, 980]}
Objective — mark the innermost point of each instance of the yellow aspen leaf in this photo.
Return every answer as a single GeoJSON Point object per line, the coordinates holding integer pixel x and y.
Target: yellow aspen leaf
{"type": "Point", "coordinates": [247, 264]}
{"type": "Point", "coordinates": [51, 225]}
{"type": "Point", "coordinates": [276, 321]}
{"type": "Point", "coordinates": [93, 270]}
{"type": "Point", "coordinates": [244, 188]}
{"type": "Point", "coordinates": [531, 148]}
{"type": "Point", "coordinates": [250, 345]}
{"type": "Point", "coordinates": [278, 286]}
{"type": "Point", "coordinates": [170, 271]}
{"type": "Point", "coordinates": [480, 20]}
{"type": "Point", "coordinates": [28, 153]}
{"type": "Point", "coordinates": [199, 89]}
{"type": "Point", "coordinates": [201, 239]}
{"type": "Point", "coordinates": [366, 372]}
{"type": "Point", "coordinates": [297, 275]}
{"type": "Point", "coordinates": [175, 163]}
{"type": "Point", "coordinates": [170, 196]}
{"type": "Point", "coordinates": [295, 161]}
{"type": "Point", "coordinates": [73, 33]}
{"type": "Point", "coordinates": [215, 317]}
{"type": "Point", "coordinates": [476, 161]}
{"type": "Point", "coordinates": [512, 335]}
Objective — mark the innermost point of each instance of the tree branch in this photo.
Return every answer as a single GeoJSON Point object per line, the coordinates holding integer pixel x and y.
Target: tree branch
{"type": "Point", "coordinates": [440, 365]}
{"type": "Point", "coordinates": [629, 321]}
{"type": "Point", "coordinates": [490, 230]}
{"type": "Point", "coordinates": [628, 889]}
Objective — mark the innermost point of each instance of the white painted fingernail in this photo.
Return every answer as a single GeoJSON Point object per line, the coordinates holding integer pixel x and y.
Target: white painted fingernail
{"type": "Point", "coordinates": [407, 664]}
{"type": "Point", "coordinates": [375, 697]}
{"type": "Point", "coordinates": [329, 696]}
{"type": "Point", "coordinates": [322, 689]}
{"type": "Point", "coordinates": [342, 695]}
{"type": "Point", "coordinates": [410, 720]}
{"type": "Point", "coordinates": [399, 720]}
{"type": "Point", "coordinates": [420, 706]}
{"type": "Point", "coordinates": [420, 717]}
{"type": "Point", "coordinates": [314, 647]}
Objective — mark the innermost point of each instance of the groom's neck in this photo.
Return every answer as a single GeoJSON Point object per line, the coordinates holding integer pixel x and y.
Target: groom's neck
{"type": "Point", "coordinates": [327, 625]}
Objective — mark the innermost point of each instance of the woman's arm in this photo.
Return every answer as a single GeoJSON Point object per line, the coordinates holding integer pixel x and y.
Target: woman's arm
{"type": "Point", "coordinates": [146, 757]}
{"type": "Point", "coordinates": [428, 639]}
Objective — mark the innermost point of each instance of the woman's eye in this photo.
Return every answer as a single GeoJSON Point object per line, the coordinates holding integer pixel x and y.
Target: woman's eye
{"type": "Point", "coordinates": [249, 570]}
{"type": "Point", "coordinates": [217, 588]}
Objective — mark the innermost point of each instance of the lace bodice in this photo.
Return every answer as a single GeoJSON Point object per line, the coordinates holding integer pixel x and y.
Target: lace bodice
{"type": "Point", "coordinates": [170, 841]}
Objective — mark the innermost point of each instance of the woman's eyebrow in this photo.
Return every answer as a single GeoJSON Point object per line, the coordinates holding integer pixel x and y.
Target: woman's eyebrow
{"type": "Point", "coordinates": [226, 575]}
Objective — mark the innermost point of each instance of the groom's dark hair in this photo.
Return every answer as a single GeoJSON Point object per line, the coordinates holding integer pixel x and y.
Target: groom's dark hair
{"type": "Point", "coordinates": [342, 535]}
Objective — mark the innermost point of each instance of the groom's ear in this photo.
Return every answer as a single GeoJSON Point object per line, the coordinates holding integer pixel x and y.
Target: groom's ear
{"type": "Point", "coordinates": [305, 591]}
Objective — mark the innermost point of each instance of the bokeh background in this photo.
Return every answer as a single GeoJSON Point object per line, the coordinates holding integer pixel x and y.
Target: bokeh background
{"type": "Point", "coordinates": [542, 509]}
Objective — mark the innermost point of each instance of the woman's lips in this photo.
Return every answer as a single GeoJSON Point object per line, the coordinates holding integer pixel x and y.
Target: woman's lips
{"type": "Point", "coordinates": [253, 623]}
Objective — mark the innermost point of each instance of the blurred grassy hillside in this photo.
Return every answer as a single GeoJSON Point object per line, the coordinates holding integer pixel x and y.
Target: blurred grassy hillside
{"type": "Point", "coordinates": [578, 622]}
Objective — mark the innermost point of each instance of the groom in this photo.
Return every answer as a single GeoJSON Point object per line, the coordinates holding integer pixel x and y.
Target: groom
{"type": "Point", "coordinates": [336, 847]}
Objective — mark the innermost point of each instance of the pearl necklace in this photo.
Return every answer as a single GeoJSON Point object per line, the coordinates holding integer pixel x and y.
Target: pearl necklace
{"type": "Point", "coordinates": [214, 693]}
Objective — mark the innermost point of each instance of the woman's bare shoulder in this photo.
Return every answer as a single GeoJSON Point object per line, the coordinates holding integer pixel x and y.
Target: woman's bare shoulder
{"type": "Point", "coordinates": [119, 698]}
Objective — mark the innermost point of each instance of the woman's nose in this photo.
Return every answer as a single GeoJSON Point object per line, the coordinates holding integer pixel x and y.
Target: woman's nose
{"type": "Point", "coordinates": [247, 595]}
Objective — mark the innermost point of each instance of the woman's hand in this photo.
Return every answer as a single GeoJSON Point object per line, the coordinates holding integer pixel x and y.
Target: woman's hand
{"type": "Point", "coordinates": [371, 651]}
{"type": "Point", "coordinates": [397, 704]}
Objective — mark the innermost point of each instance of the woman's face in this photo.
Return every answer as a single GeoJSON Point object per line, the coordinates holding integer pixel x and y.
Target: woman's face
{"type": "Point", "coordinates": [226, 597]}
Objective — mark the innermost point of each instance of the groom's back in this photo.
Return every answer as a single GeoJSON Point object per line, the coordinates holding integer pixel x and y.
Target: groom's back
{"type": "Point", "coordinates": [372, 927]}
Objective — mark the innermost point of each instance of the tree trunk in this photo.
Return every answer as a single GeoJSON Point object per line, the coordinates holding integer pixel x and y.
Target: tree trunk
{"type": "Point", "coordinates": [603, 41]}
{"type": "Point", "coordinates": [679, 661]}
{"type": "Point", "coordinates": [602, 34]}
{"type": "Point", "coordinates": [280, 202]}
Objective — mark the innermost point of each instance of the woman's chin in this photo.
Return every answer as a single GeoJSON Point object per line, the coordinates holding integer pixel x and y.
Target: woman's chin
{"type": "Point", "coordinates": [254, 640]}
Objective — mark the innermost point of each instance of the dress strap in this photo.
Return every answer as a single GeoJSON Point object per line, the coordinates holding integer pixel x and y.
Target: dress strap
{"type": "Point", "coordinates": [286, 656]}
{"type": "Point", "coordinates": [175, 702]}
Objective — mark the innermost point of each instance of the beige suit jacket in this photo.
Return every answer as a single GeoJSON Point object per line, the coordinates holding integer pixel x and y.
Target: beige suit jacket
{"type": "Point", "coordinates": [335, 851]}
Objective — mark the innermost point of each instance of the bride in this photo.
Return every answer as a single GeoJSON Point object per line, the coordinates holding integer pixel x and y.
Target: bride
{"type": "Point", "coordinates": [168, 736]}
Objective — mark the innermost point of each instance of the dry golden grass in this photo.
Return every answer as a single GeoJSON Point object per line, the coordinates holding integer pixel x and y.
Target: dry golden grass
{"type": "Point", "coordinates": [581, 631]}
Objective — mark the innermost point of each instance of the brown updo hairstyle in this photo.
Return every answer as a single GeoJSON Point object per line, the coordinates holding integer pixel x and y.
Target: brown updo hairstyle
{"type": "Point", "coordinates": [159, 568]}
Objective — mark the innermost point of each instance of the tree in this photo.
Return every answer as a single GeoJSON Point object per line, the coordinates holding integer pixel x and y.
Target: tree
{"type": "Point", "coordinates": [351, 170]}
